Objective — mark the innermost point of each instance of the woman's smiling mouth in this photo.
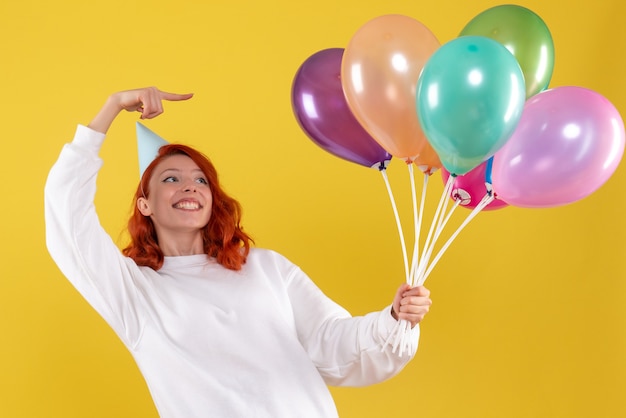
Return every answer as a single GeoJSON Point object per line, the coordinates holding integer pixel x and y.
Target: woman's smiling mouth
{"type": "Point", "coordinates": [187, 205]}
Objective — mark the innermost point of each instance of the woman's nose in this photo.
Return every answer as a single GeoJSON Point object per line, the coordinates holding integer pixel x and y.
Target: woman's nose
{"type": "Point", "coordinates": [189, 186]}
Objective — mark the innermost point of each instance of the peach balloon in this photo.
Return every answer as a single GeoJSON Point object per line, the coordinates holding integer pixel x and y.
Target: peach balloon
{"type": "Point", "coordinates": [379, 73]}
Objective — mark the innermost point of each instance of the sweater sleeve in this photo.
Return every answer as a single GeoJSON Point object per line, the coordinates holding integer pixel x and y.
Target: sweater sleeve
{"type": "Point", "coordinates": [78, 244]}
{"type": "Point", "coordinates": [347, 351]}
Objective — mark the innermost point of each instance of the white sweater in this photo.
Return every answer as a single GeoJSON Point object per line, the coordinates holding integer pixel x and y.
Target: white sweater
{"type": "Point", "coordinates": [211, 342]}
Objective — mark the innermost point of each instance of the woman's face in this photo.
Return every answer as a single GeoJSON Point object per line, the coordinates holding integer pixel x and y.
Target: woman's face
{"type": "Point", "coordinates": [180, 198]}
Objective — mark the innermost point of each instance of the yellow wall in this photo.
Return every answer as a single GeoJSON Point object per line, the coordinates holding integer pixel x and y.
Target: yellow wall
{"type": "Point", "coordinates": [529, 314]}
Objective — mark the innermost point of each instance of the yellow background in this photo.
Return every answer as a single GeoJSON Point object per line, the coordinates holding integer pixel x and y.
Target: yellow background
{"type": "Point", "coordinates": [529, 314]}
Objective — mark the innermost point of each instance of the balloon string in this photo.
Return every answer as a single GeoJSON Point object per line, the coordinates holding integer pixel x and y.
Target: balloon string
{"type": "Point", "coordinates": [405, 341]}
{"type": "Point", "coordinates": [402, 340]}
{"type": "Point", "coordinates": [418, 231]}
{"type": "Point", "coordinates": [439, 230]}
{"type": "Point", "coordinates": [443, 220]}
{"type": "Point", "coordinates": [396, 332]}
{"type": "Point", "coordinates": [434, 224]}
{"type": "Point", "coordinates": [399, 331]}
{"type": "Point", "coordinates": [417, 221]}
{"type": "Point", "coordinates": [402, 330]}
{"type": "Point", "coordinates": [440, 220]}
{"type": "Point", "coordinates": [399, 225]}
{"type": "Point", "coordinates": [486, 200]}
{"type": "Point", "coordinates": [415, 218]}
{"type": "Point", "coordinates": [402, 326]}
{"type": "Point", "coordinates": [442, 225]}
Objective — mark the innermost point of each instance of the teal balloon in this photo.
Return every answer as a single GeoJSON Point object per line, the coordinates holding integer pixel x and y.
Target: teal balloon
{"type": "Point", "coordinates": [470, 98]}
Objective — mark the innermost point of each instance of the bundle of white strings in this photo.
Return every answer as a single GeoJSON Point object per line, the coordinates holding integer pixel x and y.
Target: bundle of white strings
{"type": "Point", "coordinates": [421, 264]}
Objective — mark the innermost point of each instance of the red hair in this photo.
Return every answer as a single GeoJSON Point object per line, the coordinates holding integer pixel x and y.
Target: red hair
{"type": "Point", "coordinates": [223, 236]}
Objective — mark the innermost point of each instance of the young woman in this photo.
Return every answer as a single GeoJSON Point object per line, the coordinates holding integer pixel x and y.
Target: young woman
{"type": "Point", "coordinates": [216, 327]}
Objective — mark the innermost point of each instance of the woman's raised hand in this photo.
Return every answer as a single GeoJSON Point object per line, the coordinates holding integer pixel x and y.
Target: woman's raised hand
{"type": "Point", "coordinates": [148, 101]}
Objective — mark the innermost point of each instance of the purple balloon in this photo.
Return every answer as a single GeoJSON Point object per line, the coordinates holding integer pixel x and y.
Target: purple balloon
{"type": "Point", "coordinates": [568, 143]}
{"type": "Point", "coordinates": [322, 111]}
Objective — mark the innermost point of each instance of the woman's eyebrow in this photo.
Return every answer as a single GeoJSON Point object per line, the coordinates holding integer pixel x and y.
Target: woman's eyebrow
{"type": "Point", "coordinates": [169, 169]}
{"type": "Point", "coordinates": [178, 170]}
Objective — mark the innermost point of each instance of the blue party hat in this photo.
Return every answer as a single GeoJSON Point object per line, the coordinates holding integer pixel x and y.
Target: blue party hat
{"type": "Point", "coordinates": [148, 144]}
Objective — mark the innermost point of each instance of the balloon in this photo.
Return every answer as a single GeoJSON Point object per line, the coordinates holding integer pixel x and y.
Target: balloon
{"type": "Point", "coordinates": [470, 98]}
{"type": "Point", "coordinates": [427, 160]}
{"type": "Point", "coordinates": [568, 143]}
{"type": "Point", "coordinates": [321, 110]}
{"type": "Point", "coordinates": [379, 73]}
{"type": "Point", "coordinates": [525, 35]}
{"type": "Point", "coordinates": [470, 188]}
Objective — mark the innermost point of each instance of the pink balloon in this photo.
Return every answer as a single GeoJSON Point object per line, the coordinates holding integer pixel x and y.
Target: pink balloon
{"type": "Point", "coordinates": [567, 144]}
{"type": "Point", "coordinates": [470, 188]}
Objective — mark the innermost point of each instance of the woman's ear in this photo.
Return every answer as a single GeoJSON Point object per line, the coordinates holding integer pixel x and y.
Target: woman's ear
{"type": "Point", "coordinates": [144, 208]}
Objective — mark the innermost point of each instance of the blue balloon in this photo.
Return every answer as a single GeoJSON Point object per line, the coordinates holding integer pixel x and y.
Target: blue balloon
{"type": "Point", "coordinates": [470, 98]}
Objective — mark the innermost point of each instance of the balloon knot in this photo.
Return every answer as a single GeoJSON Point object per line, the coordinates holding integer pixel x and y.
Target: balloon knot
{"type": "Point", "coordinates": [381, 165]}
{"type": "Point", "coordinates": [489, 188]}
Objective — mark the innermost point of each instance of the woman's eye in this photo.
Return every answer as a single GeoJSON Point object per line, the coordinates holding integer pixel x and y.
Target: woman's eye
{"type": "Point", "coordinates": [202, 181]}
{"type": "Point", "coordinates": [170, 179]}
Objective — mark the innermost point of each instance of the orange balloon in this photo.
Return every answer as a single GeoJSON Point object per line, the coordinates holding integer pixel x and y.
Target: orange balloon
{"type": "Point", "coordinates": [427, 160]}
{"type": "Point", "coordinates": [379, 72]}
